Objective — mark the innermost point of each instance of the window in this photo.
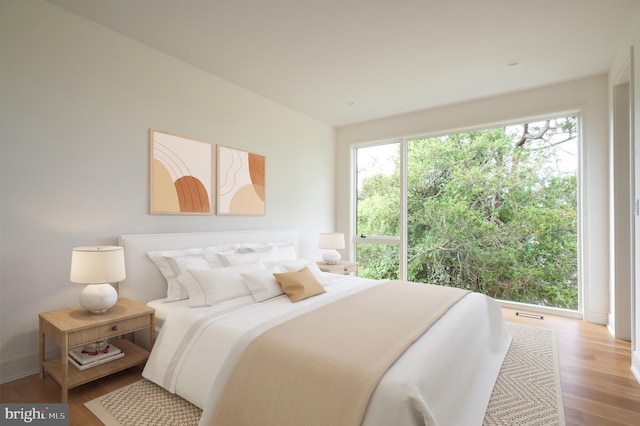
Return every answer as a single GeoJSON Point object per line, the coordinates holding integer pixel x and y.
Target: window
{"type": "Point", "coordinates": [493, 211]}
{"type": "Point", "coordinates": [378, 210]}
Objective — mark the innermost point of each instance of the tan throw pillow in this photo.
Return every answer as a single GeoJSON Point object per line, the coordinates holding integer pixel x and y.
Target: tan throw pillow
{"type": "Point", "coordinates": [299, 285]}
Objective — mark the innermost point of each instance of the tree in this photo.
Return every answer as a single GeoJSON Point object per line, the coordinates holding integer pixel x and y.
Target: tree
{"type": "Point", "coordinates": [488, 210]}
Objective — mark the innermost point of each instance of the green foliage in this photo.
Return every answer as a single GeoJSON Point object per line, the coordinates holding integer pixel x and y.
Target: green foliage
{"type": "Point", "coordinates": [379, 261]}
{"type": "Point", "coordinates": [483, 214]}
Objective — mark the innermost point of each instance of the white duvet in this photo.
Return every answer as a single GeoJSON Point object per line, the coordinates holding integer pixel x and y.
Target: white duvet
{"type": "Point", "coordinates": [445, 378]}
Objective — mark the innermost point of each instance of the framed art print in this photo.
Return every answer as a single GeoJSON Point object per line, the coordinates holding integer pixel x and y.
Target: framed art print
{"type": "Point", "coordinates": [241, 182]}
{"type": "Point", "coordinates": [181, 176]}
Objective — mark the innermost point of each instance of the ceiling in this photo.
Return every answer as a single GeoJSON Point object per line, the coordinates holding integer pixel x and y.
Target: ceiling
{"type": "Point", "coordinates": [348, 61]}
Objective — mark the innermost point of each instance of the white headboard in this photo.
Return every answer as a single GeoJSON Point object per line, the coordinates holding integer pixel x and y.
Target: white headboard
{"type": "Point", "coordinates": [144, 281]}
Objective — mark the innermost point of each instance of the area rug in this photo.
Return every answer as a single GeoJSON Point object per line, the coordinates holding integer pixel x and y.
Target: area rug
{"type": "Point", "coordinates": [527, 392]}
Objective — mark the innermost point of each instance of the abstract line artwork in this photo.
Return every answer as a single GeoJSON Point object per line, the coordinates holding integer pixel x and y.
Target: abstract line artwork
{"type": "Point", "coordinates": [241, 182]}
{"type": "Point", "coordinates": [181, 175]}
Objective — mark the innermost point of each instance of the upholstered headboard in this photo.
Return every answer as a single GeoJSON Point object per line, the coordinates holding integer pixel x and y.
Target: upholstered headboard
{"type": "Point", "coordinates": [144, 281]}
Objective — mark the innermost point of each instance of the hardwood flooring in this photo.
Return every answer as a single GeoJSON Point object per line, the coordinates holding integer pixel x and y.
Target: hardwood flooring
{"type": "Point", "coordinates": [33, 389]}
{"type": "Point", "coordinates": [598, 387]}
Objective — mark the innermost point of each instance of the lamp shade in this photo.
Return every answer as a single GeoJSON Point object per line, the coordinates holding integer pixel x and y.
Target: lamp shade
{"type": "Point", "coordinates": [330, 241]}
{"type": "Point", "coordinates": [97, 265]}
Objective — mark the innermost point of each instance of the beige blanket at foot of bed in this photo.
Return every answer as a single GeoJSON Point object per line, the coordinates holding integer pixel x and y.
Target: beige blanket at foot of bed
{"type": "Point", "coordinates": [321, 368]}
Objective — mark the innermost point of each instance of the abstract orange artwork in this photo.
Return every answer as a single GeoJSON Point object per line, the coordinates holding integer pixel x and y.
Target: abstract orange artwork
{"type": "Point", "coordinates": [241, 182]}
{"type": "Point", "coordinates": [181, 174]}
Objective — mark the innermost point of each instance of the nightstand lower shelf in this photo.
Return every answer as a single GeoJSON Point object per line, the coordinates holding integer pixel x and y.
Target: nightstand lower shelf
{"type": "Point", "coordinates": [133, 355]}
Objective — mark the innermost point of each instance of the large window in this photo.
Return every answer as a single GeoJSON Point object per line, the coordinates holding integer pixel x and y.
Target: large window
{"type": "Point", "coordinates": [493, 211]}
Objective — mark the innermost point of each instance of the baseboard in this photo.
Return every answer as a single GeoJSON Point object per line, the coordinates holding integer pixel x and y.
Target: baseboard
{"type": "Point", "coordinates": [595, 317]}
{"type": "Point", "coordinates": [15, 369]}
{"type": "Point", "coordinates": [635, 365]}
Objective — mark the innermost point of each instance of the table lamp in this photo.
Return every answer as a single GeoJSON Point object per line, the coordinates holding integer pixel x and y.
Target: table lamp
{"type": "Point", "coordinates": [96, 267]}
{"type": "Point", "coordinates": [331, 242]}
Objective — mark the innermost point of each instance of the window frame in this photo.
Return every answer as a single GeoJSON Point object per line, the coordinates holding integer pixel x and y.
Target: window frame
{"type": "Point", "coordinates": [401, 240]}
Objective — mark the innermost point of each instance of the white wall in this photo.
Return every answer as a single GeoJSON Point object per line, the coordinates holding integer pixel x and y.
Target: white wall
{"type": "Point", "coordinates": [587, 95]}
{"type": "Point", "coordinates": [628, 55]}
{"type": "Point", "coordinates": [76, 103]}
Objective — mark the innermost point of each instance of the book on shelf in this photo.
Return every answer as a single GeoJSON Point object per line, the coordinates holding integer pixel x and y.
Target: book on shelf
{"type": "Point", "coordinates": [84, 358]}
{"type": "Point", "coordinates": [95, 363]}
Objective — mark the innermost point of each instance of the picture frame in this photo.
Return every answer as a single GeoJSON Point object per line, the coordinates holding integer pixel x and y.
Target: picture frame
{"type": "Point", "coordinates": [180, 174]}
{"type": "Point", "coordinates": [241, 182]}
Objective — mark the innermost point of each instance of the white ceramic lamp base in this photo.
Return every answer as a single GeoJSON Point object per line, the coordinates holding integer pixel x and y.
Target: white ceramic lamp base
{"type": "Point", "coordinates": [331, 256]}
{"type": "Point", "coordinates": [97, 298]}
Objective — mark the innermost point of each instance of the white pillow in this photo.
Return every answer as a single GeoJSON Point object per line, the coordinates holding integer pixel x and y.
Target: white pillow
{"type": "Point", "coordinates": [161, 259]}
{"type": "Point", "coordinates": [262, 284]}
{"type": "Point", "coordinates": [211, 286]}
{"type": "Point", "coordinates": [179, 264]}
{"type": "Point", "coordinates": [285, 250]}
{"type": "Point", "coordinates": [299, 264]}
{"type": "Point", "coordinates": [244, 254]}
{"type": "Point", "coordinates": [214, 261]}
{"type": "Point", "coordinates": [289, 264]}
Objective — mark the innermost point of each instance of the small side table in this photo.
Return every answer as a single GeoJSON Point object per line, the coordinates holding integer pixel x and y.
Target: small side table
{"type": "Point", "coordinates": [341, 267]}
{"type": "Point", "coordinates": [73, 327]}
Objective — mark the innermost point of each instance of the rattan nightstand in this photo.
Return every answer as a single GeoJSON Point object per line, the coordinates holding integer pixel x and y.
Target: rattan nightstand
{"type": "Point", "coordinates": [73, 327]}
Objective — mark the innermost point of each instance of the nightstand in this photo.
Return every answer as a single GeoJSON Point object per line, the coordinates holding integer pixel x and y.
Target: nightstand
{"type": "Point", "coordinates": [342, 267]}
{"type": "Point", "coordinates": [73, 327]}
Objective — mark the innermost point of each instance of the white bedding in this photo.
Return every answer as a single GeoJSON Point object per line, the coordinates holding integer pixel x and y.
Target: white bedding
{"type": "Point", "coordinates": [445, 378]}
{"type": "Point", "coordinates": [164, 309]}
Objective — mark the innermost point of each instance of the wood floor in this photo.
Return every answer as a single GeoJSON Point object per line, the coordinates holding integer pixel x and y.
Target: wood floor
{"type": "Point", "coordinates": [598, 387]}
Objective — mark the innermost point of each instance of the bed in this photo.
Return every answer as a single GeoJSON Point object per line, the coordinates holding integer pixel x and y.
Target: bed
{"type": "Point", "coordinates": [444, 376]}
